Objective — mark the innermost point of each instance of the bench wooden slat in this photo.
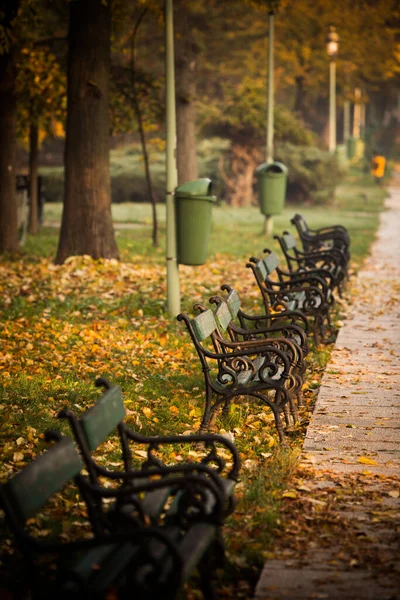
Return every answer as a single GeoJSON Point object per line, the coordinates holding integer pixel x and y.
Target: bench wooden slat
{"type": "Point", "coordinates": [223, 316]}
{"type": "Point", "coordinates": [271, 263]}
{"type": "Point", "coordinates": [100, 420]}
{"type": "Point", "coordinates": [31, 488]}
{"type": "Point", "coordinates": [203, 325]}
{"type": "Point", "coordinates": [233, 302]}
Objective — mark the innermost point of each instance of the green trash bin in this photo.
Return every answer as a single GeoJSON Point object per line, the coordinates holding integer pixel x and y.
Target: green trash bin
{"type": "Point", "coordinates": [272, 181]}
{"type": "Point", "coordinates": [193, 202]}
{"type": "Point", "coordinates": [351, 147]}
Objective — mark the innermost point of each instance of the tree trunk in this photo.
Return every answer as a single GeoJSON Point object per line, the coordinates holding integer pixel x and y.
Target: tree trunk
{"type": "Point", "coordinates": [186, 157]}
{"type": "Point", "coordinates": [8, 120]}
{"type": "Point", "coordinates": [86, 222]}
{"type": "Point", "coordinates": [33, 225]}
{"type": "Point", "coordinates": [242, 164]}
{"type": "Point", "coordinates": [185, 89]}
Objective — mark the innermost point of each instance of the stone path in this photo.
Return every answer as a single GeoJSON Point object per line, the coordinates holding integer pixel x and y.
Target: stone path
{"type": "Point", "coordinates": [353, 440]}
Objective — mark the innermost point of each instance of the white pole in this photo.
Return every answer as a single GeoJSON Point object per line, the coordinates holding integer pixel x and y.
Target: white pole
{"type": "Point", "coordinates": [173, 288]}
{"type": "Point", "coordinates": [270, 109]}
{"type": "Point", "coordinates": [332, 105]}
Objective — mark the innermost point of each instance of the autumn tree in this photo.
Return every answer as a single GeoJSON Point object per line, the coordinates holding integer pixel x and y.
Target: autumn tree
{"type": "Point", "coordinates": [86, 226]}
{"type": "Point", "coordinates": [8, 124]}
{"type": "Point", "coordinates": [41, 96]}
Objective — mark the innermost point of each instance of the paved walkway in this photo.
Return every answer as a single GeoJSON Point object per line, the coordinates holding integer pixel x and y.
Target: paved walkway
{"type": "Point", "coordinates": [353, 440]}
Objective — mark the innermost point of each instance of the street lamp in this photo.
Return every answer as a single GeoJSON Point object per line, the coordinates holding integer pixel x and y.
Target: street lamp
{"type": "Point", "coordinates": [332, 47]}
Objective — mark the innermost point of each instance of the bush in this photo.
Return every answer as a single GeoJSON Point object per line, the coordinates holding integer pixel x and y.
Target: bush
{"type": "Point", "coordinates": [128, 183]}
{"type": "Point", "coordinates": [313, 173]}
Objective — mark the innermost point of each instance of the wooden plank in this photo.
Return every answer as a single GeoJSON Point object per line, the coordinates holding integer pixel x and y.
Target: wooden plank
{"type": "Point", "coordinates": [270, 262]}
{"type": "Point", "coordinates": [223, 316]}
{"type": "Point", "coordinates": [204, 325]}
{"type": "Point", "coordinates": [233, 302]}
{"type": "Point", "coordinates": [31, 488]}
{"type": "Point", "coordinates": [100, 420]}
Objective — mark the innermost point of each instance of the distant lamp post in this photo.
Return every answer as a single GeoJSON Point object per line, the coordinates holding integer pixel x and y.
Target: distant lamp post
{"type": "Point", "coordinates": [332, 47]}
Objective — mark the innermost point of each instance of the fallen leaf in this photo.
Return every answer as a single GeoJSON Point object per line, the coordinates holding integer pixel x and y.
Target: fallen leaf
{"type": "Point", "coordinates": [364, 460]}
{"type": "Point", "coordinates": [290, 494]}
{"type": "Point", "coordinates": [394, 494]}
{"type": "Point", "coordinates": [141, 453]}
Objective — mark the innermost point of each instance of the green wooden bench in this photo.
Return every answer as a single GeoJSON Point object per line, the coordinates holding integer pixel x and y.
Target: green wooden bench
{"type": "Point", "coordinates": [332, 237]}
{"type": "Point", "coordinates": [255, 369]}
{"type": "Point", "coordinates": [138, 560]}
{"type": "Point", "coordinates": [327, 264]}
{"type": "Point", "coordinates": [288, 337]}
{"type": "Point", "coordinates": [307, 293]}
{"type": "Point", "coordinates": [141, 561]}
{"type": "Point", "coordinates": [200, 490]}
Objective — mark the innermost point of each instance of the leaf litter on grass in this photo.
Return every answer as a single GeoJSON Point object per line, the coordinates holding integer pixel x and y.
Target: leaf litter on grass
{"type": "Point", "coordinates": [63, 326]}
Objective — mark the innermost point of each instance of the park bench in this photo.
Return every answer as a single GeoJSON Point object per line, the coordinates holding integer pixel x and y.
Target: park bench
{"type": "Point", "coordinates": [142, 561]}
{"type": "Point", "coordinates": [239, 325]}
{"type": "Point", "coordinates": [281, 323]}
{"type": "Point", "coordinates": [217, 462]}
{"type": "Point", "coordinates": [136, 559]}
{"type": "Point", "coordinates": [307, 293]}
{"type": "Point", "coordinates": [335, 236]}
{"type": "Point", "coordinates": [327, 264]}
{"type": "Point", "coordinates": [231, 370]}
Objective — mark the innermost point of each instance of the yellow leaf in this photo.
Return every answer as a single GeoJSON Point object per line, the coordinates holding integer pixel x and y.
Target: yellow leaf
{"type": "Point", "coordinates": [141, 453]}
{"type": "Point", "coordinates": [20, 441]}
{"type": "Point", "coordinates": [17, 456]}
{"type": "Point", "coordinates": [147, 412]}
{"type": "Point", "coordinates": [174, 409]}
{"type": "Point", "coordinates": [289, 494]}
{"type": "Point", "coordinates": [364, 460]}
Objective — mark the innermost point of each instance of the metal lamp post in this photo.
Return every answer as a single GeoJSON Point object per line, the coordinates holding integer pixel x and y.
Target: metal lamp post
{"type": "Point", "coordinates": [270, 90]}
{"type": "Point", "coordinates": [332, 47]}
{"type": "Point", "coordinates": [268, 226]}
{"type": "Point", "coordinates": [173, 288]}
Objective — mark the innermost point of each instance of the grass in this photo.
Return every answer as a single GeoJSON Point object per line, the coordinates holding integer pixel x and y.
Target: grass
{"type": "Point", "coordinates": [63, 326]}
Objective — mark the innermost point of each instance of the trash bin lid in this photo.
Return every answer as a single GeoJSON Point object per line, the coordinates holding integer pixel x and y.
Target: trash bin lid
{"type": "Point", "coordinates": [273, 169]}
{"type": "Point", "coordinates": [196, 188]}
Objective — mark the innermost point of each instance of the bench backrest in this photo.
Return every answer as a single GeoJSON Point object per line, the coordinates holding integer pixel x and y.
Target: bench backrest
{"type": "Point", "coordinates": [204, 325]}
{"type": "Point", "coordinates": [233, 302]}
{"type": "Point", "coordinates": [29, 490]}
{"type": "Point", "coordinates": [300, 223]}
{"type": "Point", "coordinates": [223, 315]}
{"type": "Point", "coordinates": [271, 263]}
{"type": "Point", "coordinates": [288, 241]}
{"type": "Point", "coordinates": [101, 419]}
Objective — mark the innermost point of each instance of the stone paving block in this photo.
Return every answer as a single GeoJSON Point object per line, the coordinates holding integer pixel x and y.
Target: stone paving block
{"type": "Point", "coordinates": [285, 583]}
{"type": "Point", "coordinates": [347, 421]}
{"type": "Point", "coordinates": [357, 433]}
{"type": "Point", "coordinates": [387, 464]}
{"type": "Point", "coordinates": [390, 414]}
{"type": "Point", "coordinates": [346, 445]}
{"type": "Point", "coordinates": [358, 399]}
